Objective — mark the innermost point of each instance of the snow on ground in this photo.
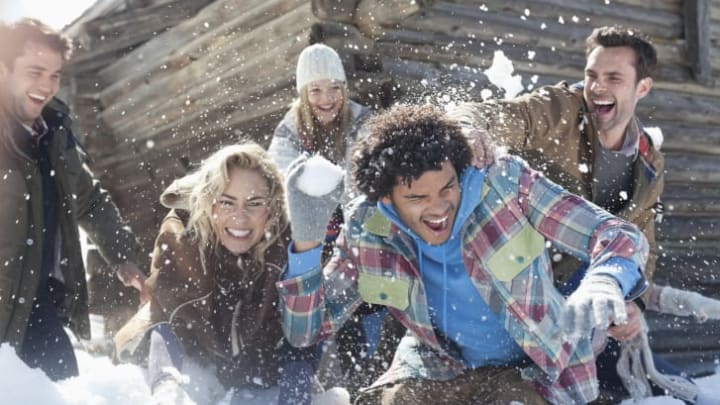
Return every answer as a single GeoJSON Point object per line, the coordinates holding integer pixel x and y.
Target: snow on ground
{"type": "Point", "coordinates": [102, 383]}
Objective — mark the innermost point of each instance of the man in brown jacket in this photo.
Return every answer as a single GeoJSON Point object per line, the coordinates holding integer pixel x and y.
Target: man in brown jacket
{"type": "Point", "coordinates": [47, 192]}
{"type": "Point", "coordinates": [587, 138]}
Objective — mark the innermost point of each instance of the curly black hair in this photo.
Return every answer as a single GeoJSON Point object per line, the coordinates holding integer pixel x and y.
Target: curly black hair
{"type": "Point", "coordinates": [403, 144]}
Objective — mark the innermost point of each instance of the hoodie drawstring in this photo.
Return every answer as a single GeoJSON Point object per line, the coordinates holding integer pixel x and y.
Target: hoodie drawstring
{"type": "Point", "coordinates": [445, 292]}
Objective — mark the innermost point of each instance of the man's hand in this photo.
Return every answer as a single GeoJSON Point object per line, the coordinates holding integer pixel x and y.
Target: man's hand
{"type": "Point", "coordinates": [131, 276]}
{"type": "Point", "coordinates": [630, 329]}
{"type": "Point", "coordinates": [482, 146]}
{"type": "Point", "coordinates": [597, 303]}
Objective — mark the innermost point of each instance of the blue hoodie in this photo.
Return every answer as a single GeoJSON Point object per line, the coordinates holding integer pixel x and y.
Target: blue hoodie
{"type": "Point", "coordinates": [456, 308]}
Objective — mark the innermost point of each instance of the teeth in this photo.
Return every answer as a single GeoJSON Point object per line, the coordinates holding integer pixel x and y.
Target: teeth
{"type": "Point", "coordinates": [437, 221]}
{"type": "Point", "coordinates": [36, 97]}
{"type": "Point", "coordinates": [603, 102]}
{"type": "Point", "coordinates": [238, 233]}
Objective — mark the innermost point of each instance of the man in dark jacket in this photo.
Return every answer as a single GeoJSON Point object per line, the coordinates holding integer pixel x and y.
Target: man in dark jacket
{"type": "Point", "coordinates": [47, 192]}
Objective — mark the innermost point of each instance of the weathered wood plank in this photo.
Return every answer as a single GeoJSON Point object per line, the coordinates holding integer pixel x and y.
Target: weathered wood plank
{"type": "Point", "coordinates": [470, 22]}
{"type": "Point", "coordinates": [681, 137]}
{"type": "Point", "coordinates": [676, 227]}
{"type": "Point", "coordinates": [697, 23]}
{"type": "Point", "coordinates": [666, 5]}
{"type": "Point", "coordinates": [371, 16]}
{"type": "Point", "coordinates": [656, 23]}
{"type": "Point", "coordinates": [220, 40]}
{"type": "Point", "coordinates": [696, 169]}
{"type": "Point", "coordinates": [207, 24]}
{"type": "Point", "coordinates": [249, 62]}
{"type": "Point", "coordinates": [697, 273]}
{"type": "Point", "coordinates": [335, 10]}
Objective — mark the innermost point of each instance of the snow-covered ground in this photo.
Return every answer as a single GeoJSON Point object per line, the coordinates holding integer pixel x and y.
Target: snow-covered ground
{"type": "Point", "coordinates": [102, 383]}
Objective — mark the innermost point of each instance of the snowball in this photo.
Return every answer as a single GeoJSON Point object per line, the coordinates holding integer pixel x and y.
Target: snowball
{"type": "Point", "coordinates": [500, 74]}
{"type": "Point", "coordinates": [656, 135]}
{"type": "Point", "coordinates": [320, 177]}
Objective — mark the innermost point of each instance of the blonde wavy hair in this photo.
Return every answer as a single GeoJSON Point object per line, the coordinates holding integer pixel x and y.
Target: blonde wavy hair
{"type": "Point", "coordinates": [329, 143]}
{"type": "Point", "coordinates": [213, 177]}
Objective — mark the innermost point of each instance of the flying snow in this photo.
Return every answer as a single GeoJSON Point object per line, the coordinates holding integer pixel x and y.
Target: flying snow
{"type": "Point", "coordinates": [500, 74]}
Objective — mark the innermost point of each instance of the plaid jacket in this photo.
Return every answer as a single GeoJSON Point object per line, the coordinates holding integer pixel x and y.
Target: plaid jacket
{"type": "Point", "coordinates": [505, 253]}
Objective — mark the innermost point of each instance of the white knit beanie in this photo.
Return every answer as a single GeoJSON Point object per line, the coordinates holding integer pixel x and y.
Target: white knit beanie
{"type": "Point", "coordinates": [317, 62]}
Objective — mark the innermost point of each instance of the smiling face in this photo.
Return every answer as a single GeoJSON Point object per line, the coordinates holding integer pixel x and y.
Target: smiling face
{"type": "Point", "coordinates": [429, 205]}
{"type": "Point", "coordinates": [612, 91]}
{"type": "Point", "coordinates": [241, 212]}
{"type": "Point", "coordinates": [326, 99]}
{"type": "Point", "coordinates": [31, 82]}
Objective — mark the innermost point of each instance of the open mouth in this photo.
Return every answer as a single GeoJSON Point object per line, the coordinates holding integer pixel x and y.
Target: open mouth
{"type": "Point", "coordinates": [238, 233]}
{"type": "Point", "coordinates": [37, 98]}
{"type": "Point", "coordinates": [603, 107]}
{"type": "Point", "coordinates": [438, 225]}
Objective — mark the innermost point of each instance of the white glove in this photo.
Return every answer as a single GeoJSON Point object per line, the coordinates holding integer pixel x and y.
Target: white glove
{"type": "Point", "coordinates": [597, 303]}
{"type": "Point", "coordinates": [685, 303]}
{"type": "Point", "coordinates": [170, 392]}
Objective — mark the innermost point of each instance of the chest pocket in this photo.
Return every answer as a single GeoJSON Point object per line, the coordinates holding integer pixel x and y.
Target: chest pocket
{"type": "Point", "coordinates": [517, 254]}
{"type": "Point", "coordinates": [382, 290]}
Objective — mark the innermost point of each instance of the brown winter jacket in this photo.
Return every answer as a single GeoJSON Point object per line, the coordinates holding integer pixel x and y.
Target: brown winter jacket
{"type": "Point", "coordinates": [81, 201]}
{"type": "Point", "coordinates": [552, 129]}
{"type": "Point", "coordinates": [221, 313]}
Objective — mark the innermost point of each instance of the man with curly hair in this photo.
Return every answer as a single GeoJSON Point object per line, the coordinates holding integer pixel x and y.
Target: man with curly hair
{"type": "Point", "coordinates": [457, 253]}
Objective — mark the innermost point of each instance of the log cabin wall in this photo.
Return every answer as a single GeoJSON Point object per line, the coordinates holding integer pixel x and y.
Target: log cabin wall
{"type": "Point", "coordinates": [160, 85]}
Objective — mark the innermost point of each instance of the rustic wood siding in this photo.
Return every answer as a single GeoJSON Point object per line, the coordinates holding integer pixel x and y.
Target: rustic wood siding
{"type": "Point", "coordinates": [166, 91]}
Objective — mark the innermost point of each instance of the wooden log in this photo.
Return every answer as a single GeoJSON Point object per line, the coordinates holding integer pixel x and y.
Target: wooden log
{"type": "Point", "coordinates": [656, 23]}
{"type": "Point", "coordinates": [228, 91]}
{"type": "Point", "coordinates": [683, 248]}
{"type": "Point", "coordinates": [696, 169]}
{"type": "Point", "coordinates": [675, 227]}
{"type": "Point", "coordinates": [371, 16]}
{"type": "Point", "coordinates": [699, 363]}
{"type": "Point", "coordinates": [683, 190]}
{"type": "Point", "coordinates": [218, 40]}
{"type": "Point", "coordinates": [335, 10]}
{"type": "Point", "coordinates": [697, 273]}
{"type": "Point", "coordinates": [469, 22]}
{"type": "Point", "coordinates": [118, 24]}
{"type": "Point", "coordinates": [230, 71]}
{"type": "Point", "coordinates": [194, 34]}
{"type": "Point", "coordinates": [675, 6]}
{"type": "Point", "coordinates": [696, 336]}
{"type": "Point", "coordinates": [697, 23]}
{"type": "Point", "coordinates": [680, 137]}
{"type": "Point", "coordinates": [199, 127]}
{"type": "Point", "coordinates": [689, 205]}
{"type": "Point", "coordinates": [686, 108]}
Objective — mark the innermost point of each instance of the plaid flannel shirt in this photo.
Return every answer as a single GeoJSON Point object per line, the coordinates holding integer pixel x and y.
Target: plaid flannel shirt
{"type": "Point", "coordinates": [505, 253]}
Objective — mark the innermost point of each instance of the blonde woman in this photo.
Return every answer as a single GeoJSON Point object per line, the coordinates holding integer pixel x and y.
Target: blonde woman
{"type": "Point", "coordinates": [322, 120]}
{"type": "Point", "coordinates": [219, 252]}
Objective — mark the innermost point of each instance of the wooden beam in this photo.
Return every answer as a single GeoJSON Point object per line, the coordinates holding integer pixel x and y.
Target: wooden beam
{"type": "Point", "coordinates": [697, 39]}
{"type": "Point", "coordinates": [335, 10]}
{"type": "Point", "coordinates": [371, 16]}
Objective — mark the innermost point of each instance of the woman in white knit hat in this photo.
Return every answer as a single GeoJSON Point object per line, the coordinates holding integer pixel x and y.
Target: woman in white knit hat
{"type": "Point", "coordinates": [323, 120]}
